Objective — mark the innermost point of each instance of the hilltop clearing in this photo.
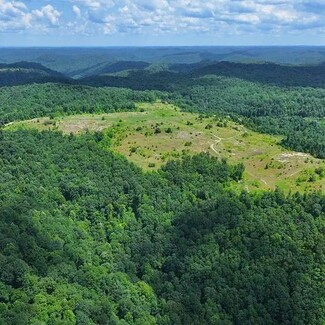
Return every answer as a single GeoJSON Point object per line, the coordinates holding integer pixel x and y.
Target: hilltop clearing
{"type": "Point", "coordinates": [156, 133]}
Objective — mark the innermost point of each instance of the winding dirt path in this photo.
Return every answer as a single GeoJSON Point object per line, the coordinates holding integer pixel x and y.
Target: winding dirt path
{"type": "Point", "coordinates": [218, 141]}
{"type": "Point", "coordinates": [295, 173]}
{"type": "Point", "coordinates": [261, 179]}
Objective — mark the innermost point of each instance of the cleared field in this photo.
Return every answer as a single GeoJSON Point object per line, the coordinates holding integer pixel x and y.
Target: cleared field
{"type": "Point", "coordinates": [158, 132]}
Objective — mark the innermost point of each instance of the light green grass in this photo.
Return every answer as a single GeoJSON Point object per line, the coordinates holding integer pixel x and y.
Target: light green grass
{"type": "Point", "coordinates": [133, 134]}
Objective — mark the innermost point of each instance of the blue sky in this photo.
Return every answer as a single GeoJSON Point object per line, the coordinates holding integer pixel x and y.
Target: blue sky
{"type": "Point", "coordinates": [161, 22]}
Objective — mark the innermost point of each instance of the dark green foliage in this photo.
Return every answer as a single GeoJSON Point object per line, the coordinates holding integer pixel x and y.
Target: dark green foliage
{"type": "Point", "coordinates": [246, 265]}
{"type": "Point", "coordinates": [270, 104]}
{"type": "Point", "coordinates": [269, 98]}
{"type": "Point", "coordinates": [87, 238]}
{"type": "Point", "coordinates": [302, 134]}
{"type": "Point", "coordinates": [157, 130]}
{"type": "Point", "coordinates": [268, 73]}
{"type": "Point", "coordinates": [310, 137]}
{"type": "Point", "coordinates": [265, 73]}
{"type": "Point", "coordinates": [27, 72]}
{"type": "Point", "coordinates": [29, 101]}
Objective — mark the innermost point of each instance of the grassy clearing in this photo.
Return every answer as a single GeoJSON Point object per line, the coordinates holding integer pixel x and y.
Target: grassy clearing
{"type": "Point", "coordinates": [158, 132]}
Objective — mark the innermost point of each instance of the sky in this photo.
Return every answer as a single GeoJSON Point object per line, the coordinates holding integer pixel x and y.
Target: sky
{"type": "Point", "coordinates": [161, 22]}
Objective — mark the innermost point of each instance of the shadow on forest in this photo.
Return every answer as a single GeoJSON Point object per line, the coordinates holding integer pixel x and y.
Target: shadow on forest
{"type": "Point", "coordinates": [186, 75]}
{"type": "Point", "coordinates": [177, 77]}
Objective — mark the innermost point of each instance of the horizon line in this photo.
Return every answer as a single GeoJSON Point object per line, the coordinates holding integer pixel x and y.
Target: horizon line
{"type": "Point", "coordinates": [151, 46]}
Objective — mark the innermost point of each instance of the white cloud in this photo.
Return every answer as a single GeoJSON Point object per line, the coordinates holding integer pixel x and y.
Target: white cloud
{"type": "Point", "coordinates": [95, 4]}
{"type": "Point", "coordinates": [161, 15]}
{"type": "Point", "coordinates": [167, 16]}
{"type": "Point", "coordinates": [76, 10]}
{"type": "Point", "coordinates": [152, 5]}
{"type": "Point", "coordinates": [15, 16]}
{"type": "Point", "coordinates": [49, 13]}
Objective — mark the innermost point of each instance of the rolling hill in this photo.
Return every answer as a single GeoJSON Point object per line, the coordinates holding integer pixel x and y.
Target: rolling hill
{"type": "Point", "coordinates": [187, 191]}
{"type": "Point", "coordinates": [28, 72]}
{"type": "Point", "coordinates": [80, 61]}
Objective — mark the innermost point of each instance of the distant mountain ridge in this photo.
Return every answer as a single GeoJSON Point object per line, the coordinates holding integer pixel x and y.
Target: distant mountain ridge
{"type": "Point", "coordinates": [110, 68]}
{"type": "Point", "coordinates": [28, 72]}
{"type": "Point", "coordinates": [141, 75]}
{"type": "Point", "coordinates": [266, 73]}
{"type": "Point", "coordinates": [80, 62]}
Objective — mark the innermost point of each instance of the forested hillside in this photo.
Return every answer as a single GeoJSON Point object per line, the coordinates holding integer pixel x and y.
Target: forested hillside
{"type": "Point", "coordinates": [267, 103]}
{"type": "Point", "coordinates": [27, 72]}
{"type": "Point", "coordinates": [87, 238]}
{"type": "Point", "coordinates": [82, 61]}
{"type": "Point", "coordinates": [50, 99]}
{"type": "Point", "coordinates": [268, 98]}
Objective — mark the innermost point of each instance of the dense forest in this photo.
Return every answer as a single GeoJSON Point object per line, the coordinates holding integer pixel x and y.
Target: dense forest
{"type": "Point", "coordinates": [88, 238]}
{"type": "Point", "coordinates": [21, 73]}
{"type": "Point", "coordinates": [50, 99]}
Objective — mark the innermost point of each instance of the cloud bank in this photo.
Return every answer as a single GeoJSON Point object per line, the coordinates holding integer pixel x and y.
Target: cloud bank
{"type": "Point", "coordinates": [161, 17]}
{"type": "Point", "coordinates": [16, 16]}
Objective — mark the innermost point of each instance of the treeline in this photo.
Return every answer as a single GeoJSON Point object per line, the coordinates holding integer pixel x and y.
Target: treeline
{"type": "Point", "coordinates": [35, 100]}
{"type": "Point", "coordinates": [87, 238]}
{"type": "Point", "coordinates": [295, 113]}
{"type": "Point", "coordinates": [304, 135]}
{"type": "Point", "coordinates": [226, 95]}
{"type": "Point", "coordinates": [263, 106]}
{"type": "Point", "coordinates": [266, 97]}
